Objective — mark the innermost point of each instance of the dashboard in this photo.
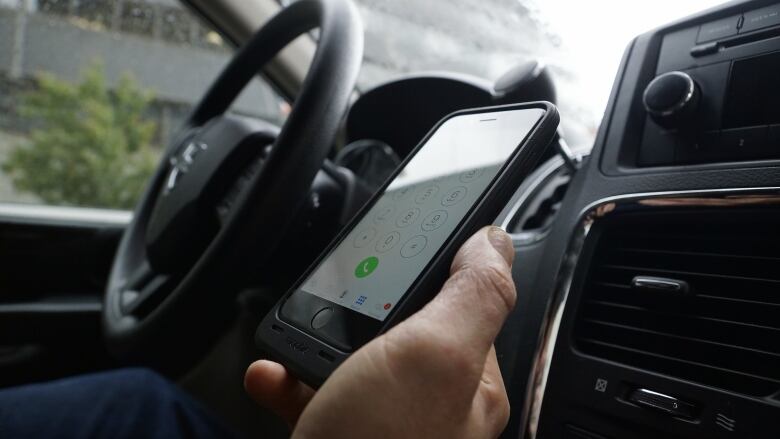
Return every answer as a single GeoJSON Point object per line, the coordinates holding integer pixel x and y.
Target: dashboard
{"type": "Point", "coordinates": [400, 112]}
{"type": "Point", "coordinates": [391, 113]}
{"type": "Point", "coordinates": [648, 278]}
{"type": "Point", "coordinates": [655, 289]}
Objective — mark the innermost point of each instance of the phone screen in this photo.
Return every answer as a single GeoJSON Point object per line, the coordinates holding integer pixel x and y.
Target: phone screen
{"type": "Point", "coordinates": [380, 258]}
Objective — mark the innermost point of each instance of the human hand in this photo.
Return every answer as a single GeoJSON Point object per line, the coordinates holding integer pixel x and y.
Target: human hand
{"type": "Point", "coordinates": [433, 375]}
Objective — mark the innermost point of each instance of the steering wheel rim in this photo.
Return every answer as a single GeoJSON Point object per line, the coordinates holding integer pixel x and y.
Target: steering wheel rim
{"type": "Point", "coordinates": [281, 179]}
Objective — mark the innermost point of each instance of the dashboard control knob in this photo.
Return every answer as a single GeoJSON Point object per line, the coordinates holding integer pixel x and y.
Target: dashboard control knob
{"type": "Point", "coordinates": [671, 98]}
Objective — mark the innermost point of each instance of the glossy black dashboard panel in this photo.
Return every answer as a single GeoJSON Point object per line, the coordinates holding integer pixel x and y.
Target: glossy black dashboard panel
{"type": "Point", "coordinates": [400, 112]}
{"type": "Point", "coordinates": [586, 392]}
{"type": "Point", "coordinates": [392, 113]}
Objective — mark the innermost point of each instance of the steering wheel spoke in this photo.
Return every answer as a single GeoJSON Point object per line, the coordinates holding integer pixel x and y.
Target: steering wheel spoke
{"type": "Point", "coordinates": [139, 277]}
{"type": "Point", "coordinates": [140, 301]}
{"type": "Point", "coordinates": [233, 195]}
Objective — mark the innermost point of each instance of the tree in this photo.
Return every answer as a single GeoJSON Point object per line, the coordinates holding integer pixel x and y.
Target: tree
{"type": "Point", "coordinates": [91, 146]}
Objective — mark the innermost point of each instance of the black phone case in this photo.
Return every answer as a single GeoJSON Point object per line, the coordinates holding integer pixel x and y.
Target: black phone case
{"type": "Point", "coordinates": [313, 360]}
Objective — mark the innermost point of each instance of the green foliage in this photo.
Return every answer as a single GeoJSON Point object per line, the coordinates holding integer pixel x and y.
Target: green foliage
{"type": "Point", "coordinates": [92, 146]}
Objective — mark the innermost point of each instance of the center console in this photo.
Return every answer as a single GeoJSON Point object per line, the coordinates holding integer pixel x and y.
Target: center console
{"type": "Point", "coordinates": [660, 275]}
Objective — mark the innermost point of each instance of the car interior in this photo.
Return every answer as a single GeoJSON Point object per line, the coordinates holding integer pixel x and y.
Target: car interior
{"type": "Point", "coordinates": [647, 254]}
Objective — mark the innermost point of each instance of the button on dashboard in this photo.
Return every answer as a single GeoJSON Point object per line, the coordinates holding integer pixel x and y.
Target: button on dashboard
{"type": "Point", "coordinates": [664, 403]}
{"type": "Point", "coordinates": [744, 143]}
{"type": "Point", "coordinates": [760, 18]}
{"type": "Point", "coordinates": [658, 147]}
{"type": "Point", "coordinates": [714, 30]}
{"type": "Point", "coordinates": [701, 148]}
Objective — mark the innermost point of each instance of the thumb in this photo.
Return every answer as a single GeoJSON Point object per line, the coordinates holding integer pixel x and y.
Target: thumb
{"type": "Point", "coordinates": [478, 296]}
{"type": "Point", "coordinates": [271, 386]}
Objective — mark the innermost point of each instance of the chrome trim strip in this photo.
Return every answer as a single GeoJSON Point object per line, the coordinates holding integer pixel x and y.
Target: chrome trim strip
{"type": "Point", "coordinates": [51, 307]}
{"type": "Point", "coordinates": [655, 393]}
{"type": "Point", "coordinates": [653, 283]}
{"type": "Point", "coordinates": [591, 213]}
{"type": "Point", "coordinates": [62, 215]}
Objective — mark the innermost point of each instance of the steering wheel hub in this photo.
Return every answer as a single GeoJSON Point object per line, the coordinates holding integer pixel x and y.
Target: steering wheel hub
{"type": "Point", "coordinates": [180, 164]}
{"type": "Point", "coordinates": [184, 219]}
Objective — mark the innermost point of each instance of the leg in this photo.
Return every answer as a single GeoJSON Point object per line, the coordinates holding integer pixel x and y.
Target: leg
{"type": "Point", "coordinates": [125, 403]}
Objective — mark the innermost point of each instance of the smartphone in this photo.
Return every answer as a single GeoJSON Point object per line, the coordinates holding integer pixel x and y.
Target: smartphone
{"type": "Point", "coordinates": [395, 254]}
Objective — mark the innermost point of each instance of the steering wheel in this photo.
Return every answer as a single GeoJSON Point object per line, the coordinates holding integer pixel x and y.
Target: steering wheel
{"type": "Point", "coordinates": [225, 191]}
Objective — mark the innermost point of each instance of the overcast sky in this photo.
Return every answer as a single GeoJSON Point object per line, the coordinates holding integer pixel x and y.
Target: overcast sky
{"type": "Point", "coordinates": [594, 34]}
{"type": "Point", "coordinates": [581, 40]}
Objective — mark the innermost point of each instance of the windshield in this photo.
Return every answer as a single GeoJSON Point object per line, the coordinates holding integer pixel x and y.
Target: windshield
{"type": "Point", "coordinates": [581, 42]}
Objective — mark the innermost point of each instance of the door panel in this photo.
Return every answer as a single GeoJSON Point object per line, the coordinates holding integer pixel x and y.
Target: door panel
{"type": "Point", "coordinates": [54, 263]}
{"type": "Point", "coordinates": [54, 260]}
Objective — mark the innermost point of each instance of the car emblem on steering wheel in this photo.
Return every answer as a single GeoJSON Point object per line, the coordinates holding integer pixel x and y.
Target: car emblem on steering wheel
{"type": "Point", "coordinates": [180, 163]}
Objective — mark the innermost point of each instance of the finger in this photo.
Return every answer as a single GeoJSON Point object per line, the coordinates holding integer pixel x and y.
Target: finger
{"type": "Point", "coordinates": [475, 300]}
{"type": "Point", "coordinates": [271, 386]}
{"type": "Point", "coordinates": [491, 400]}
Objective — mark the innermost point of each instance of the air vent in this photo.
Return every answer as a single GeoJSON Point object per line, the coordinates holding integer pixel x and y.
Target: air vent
{"type": "Point", "coordinates": [541, 208]}
{"type": "Point", "coordinates": [721, 328]}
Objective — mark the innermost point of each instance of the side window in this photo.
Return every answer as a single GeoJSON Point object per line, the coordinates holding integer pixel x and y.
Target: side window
{"type": "Point", "coordinates": [92, 90]}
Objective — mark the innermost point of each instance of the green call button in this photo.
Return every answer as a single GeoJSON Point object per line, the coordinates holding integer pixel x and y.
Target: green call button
{"type": "Point", "coordinates": [366, 266]}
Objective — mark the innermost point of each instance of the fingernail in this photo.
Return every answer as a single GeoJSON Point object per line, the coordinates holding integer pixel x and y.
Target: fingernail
{"type": "Point", "coordinates": [501, 241]}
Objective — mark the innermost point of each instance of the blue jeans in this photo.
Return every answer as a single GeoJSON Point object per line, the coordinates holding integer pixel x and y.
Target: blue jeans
{"type": "Point", "coordinates": [125, 403]}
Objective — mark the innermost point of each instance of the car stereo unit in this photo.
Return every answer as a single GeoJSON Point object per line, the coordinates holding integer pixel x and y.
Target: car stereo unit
{"type": "Point", "coordinates": [715, 94]}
